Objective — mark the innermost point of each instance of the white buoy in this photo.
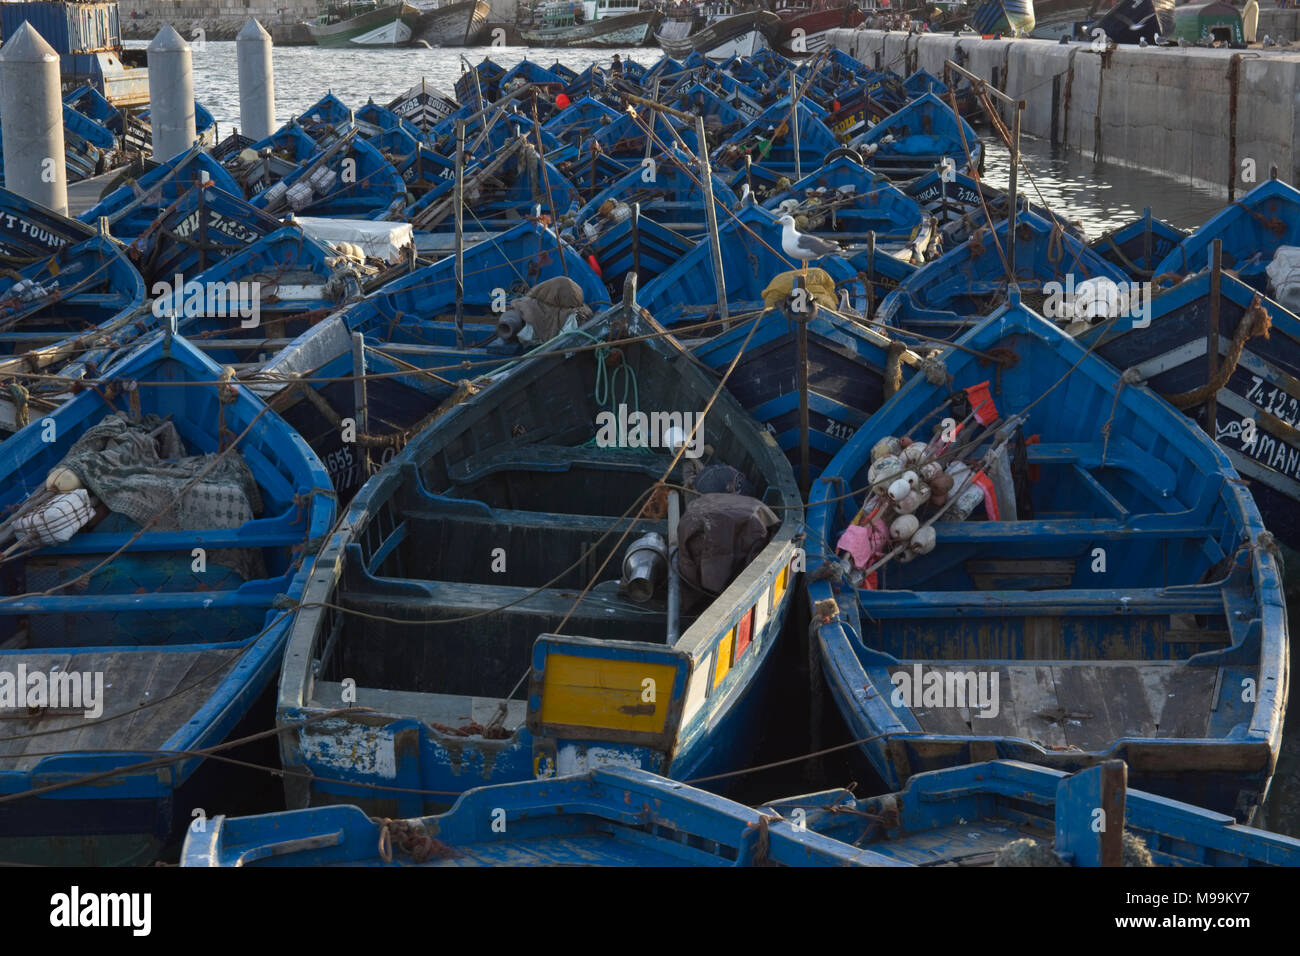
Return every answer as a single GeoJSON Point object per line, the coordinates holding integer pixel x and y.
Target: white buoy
{"type": "Point", "coordinates": [256, 80]}
{"type": "Point", "coordinates": [171, 94]}
{"type": "Point", "coordinates": [32, 107]}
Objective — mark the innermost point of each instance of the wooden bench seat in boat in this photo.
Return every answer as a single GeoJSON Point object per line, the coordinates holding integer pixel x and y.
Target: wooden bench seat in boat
{"type": "Point", "coordinates": [1088, 704]}
{"type": "Point", "coordinates": [131, 678]}
{"type": "Point", "coordinates": [543, 457]}
{"type": "Point", "coordinates": [453, 710]}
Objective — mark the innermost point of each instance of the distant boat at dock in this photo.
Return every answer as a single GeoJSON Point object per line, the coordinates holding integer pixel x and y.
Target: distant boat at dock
{"type": "Point", "coordinates": [741, 34]}
{"type": "Point", "coordinates": [356, 23]}
{"type": "Point", "coordinates": [451, 24]}
{"type": "Point", "coordinates": [590, 23]}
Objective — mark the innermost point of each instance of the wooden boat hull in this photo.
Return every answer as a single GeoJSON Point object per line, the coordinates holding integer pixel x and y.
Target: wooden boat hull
{"type": "Point", "coordinates": [698, 721]}
{"type": "Point", "coordinates": [968, 816]}
{"type": "Point", "coordinates": [388, 26]}
{"type": "Point", "coordinates": [30, 231]}
{"type": "Point", "coordinates": [203, 644]}
{"type": "Point", "coordinates": [809, 32]}
{"type": "Point", "coordinates": [629, 29]}
{"type": "Point", "coordinates": [1263, 388]}
{"type": "Point", "coordinates": [742, 35]}
{"type": "Point", "coordinates": [605, 828]}
{"type": "Point", "coordinates": [456, 24]}
{"type": "Point", "coordinates": [1064, 703]}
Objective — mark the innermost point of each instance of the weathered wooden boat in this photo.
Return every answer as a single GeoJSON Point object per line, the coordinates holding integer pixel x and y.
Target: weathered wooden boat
{"type": "Point", "coordinates": [409, 326]}
{"type": "Point", "coordinates": [172, 602]}
{"type": "Point", "coordinates": [1121, 601]}
{"type": "Point", "coordinates": [852, 369]}
{"type": "Point", "coordinates": [325, 120]}
{"type": "Point", "coordinates": [588, 23]}
{"type": "Point", "coordinates": [580, 119]}
{"type": "Point", "coordinates": [741, 35]}
{"type": "Point", "coordinates": [452, 24]}
{"type": "Point", "coordinates": [249, 304]}
{"type": "Point", "coordinates": [946, 296]}
{"type": "Point", "coordinates": [607, 817]}
{"type": "Point", "coordinates": [477, 86]}
{"type": "Point", "coordinates": [920, 137]}
{"type": "Point", "coordinates": [1251, 230]}
{"type": "Point", "coordinates": [1009, 18]}
{"type": "Point", "coordinates": [131, 209]}
{"type": "Point", "coordinates": [806, 24]}
{"type": "Point", "coordinates": [349, 179]}
{"type": "Point", "coordinates": [365, 25]}
{"type": "Point", "coordinates": [962, 205]}
{"type": "Point", "coordinates": [1009, 813]}
{"type": "Point", "coordinates": [846, 202]}
{"type": "Point", "coordinates": [1139, 246]}
{"type": "Point", "coordinates": [1254, 410]}
{"type": "Point", "coordinates": [56, 311]}
{"type": "Point", "coordinates": [1131, 21]}
{"type": "Point", "coordinates": [769, 141]}
{"type": "Point", "coordinates": [424, 106]}
{"type": "Point", "coordinates": [257, 166]}
{"type": "Point", "coordinates": [199, 229]}
{"type": "Point", "coordinates": [637, 244]}
{"type": "Point", "coordinates": [667, 188]}
{"type": "Point", "coordinates": [30, 232]}
{"type": "Point", "coordinates": [750, 246]}
{"type": "Point", "coordinates": [515, 466]}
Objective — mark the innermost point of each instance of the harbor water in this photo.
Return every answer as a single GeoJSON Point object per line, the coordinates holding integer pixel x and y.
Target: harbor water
{"type": "Point", "coordinates": [1099, 195]}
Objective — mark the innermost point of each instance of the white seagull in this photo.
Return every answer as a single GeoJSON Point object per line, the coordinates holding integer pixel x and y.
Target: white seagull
{"type": "Point", "coordinates": [801, 246]}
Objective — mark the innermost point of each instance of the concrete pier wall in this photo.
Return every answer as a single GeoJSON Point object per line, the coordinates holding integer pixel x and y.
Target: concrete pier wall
{"type": "Point", "coordinates": [218, 19]}
{"type": "Point", "coordinates": [1218, 118]}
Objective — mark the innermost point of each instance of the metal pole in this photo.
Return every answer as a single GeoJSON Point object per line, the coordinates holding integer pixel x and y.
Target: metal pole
{"type": "Point", "coordinates": [460, 233]}
{"type": "Point", "coordinates": [546, 182]}
{"type": "Point", "coordinates": [171, 94]}
{"type": "Point", "coordinates": [32, 107]}
{"type": "Point", "coordinates": [794, 124]}
{"type": "Point", "coordinates": [256, 80]}
{"type": "Point", "coordinates": [359, 394]}
{"type": "Point", "coordinates": [674, 581]}
{"type": "Point", "coordinates": [1012, 190]}
{"type": "Point", "coordinates": [636, 239]}
{"type": "Point", "coordinates": [801, 316]}
{"type": "Point", "coordinates": [1212, 335]}
{"type": "Point", "coordinates": [711, 214]}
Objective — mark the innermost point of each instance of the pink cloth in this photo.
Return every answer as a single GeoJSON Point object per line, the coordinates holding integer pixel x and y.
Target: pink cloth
{"type": "Point", "coordinates": [864, 542]}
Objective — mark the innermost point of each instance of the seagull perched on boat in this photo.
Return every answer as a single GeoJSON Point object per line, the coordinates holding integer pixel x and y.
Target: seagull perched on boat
{"type": "Point", "coordinates": [804, 247]}
{"type": "Point", "coordinates": [1142, 42]}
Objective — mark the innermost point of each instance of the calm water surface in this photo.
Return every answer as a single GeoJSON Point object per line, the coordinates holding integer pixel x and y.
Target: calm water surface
{"type": "Point", "coordinates": [1100, 195]}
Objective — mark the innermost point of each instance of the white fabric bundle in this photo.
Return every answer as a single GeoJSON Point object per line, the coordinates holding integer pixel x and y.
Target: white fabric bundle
{"type": "Point", "coordinates": [59, 520]}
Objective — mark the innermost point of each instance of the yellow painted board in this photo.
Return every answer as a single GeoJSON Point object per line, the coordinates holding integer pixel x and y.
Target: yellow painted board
{"type": "Point", "coordinates": [607, 694]}
{"type": "Point", "coordinates": [724, 657]}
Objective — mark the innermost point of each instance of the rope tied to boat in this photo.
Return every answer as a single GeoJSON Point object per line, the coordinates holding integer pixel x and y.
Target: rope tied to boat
{"type": "Point", "coordinates": [1273, 224]}
{"type": "Point", "coordinates": [758, 855]}
{"type": "Point", "coordinates": [1255, 322]}
{"type": "Point", "coordinates": [1130, 376]}
{"type": "Point", "coordinates": [20, 396]}
{"type": "Point", "coordinates": [894, 368]}
{"type": "Point", "coordinates": [1056, 244]}
{"type": "Point", "coordinates": [410, 838]}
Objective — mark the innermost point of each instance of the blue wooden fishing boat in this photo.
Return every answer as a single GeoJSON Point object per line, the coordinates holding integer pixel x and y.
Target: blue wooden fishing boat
{"type": "Point", "coordinates": [637, 244]}
{"type": "Point", "coordinates": [1009, 813]}
{"type": "Point", "coordinates": [1122, 599]}
{"type": "Point", "coordinates": [349, 179]}
{"type": "Point", "coordinates": [1251, 230]}
{"type": "Point", "coordinates": [524, 465]}
{"type": "Point", "coordinates": [254, 301]}
{"type": "Point", "coordinates": [171, 598]}
{"type": "Point", "coordinates": [962, 205]}
{"type": "Point", "coordinates": [54, 312]}
{"type": "Point", "coordinates": [846, 202]}
{"type": "Point", "coordinates": [131, 209]}
{"type": "Point", "coordinates": [410, 344]}
{"type": "Point", "coordinates": [1139, 246]}
{"type": "Point", "coordinates": [944, 297]}
{"type": "Point", "coordinates": [423, 106]}
{"type": "Point", "coordinates": [668, 189]}
{"type": "Point", "coordinates": [769, 141]}
{"type": "Point", "coordinates": [372, 120]}
{"type": "Point", "coordinates": [608, 817]}
{"type": "Point", "coordinates": [1255, 408]}
{"type": "Point", "coordinates": [325, 120]}
{"type": "Point", "coordinates": [921, 136]}
{"type": "Point", "coordinates": [31, 232]}
{"type": "Point", "coordinates": [750, 244]}
{"type": "Point", "coordinates": [580, 119]}
{"type": "Point", "coordinates": [88, 148]}
{"type": "Point", "coordinates": [257, 166]}
{"type": "Point", "coordinates": [199, 229]}
{"type": "Point", "coordinates": [1010, 18]}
